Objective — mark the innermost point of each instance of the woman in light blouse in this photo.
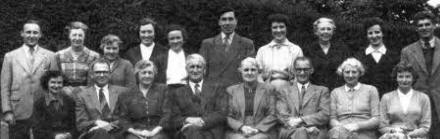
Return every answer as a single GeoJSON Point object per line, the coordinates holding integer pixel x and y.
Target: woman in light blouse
{"type": "Point", "coordinates": [354, 109]}
{"type": "Point", "coordinates": [405, 112]}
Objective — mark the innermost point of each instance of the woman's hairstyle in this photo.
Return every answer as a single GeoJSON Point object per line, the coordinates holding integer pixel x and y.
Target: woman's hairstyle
{"type": "Point", "coordinates": [195, 57]}
{"type": "Point", "coordinates": [351, 62]}
{"type": "Point", "coordinates": [109, 40]}
{"type": "Point", "coordinates": [77, 25]}
{"type": "Point", "coordinates": [175, 27]}
{"type": "Point", "coordinates": [372, 21]}
{"type": "Point", "coordinates": [279, 18]}
{"type": "Point", "coordinates": [44, 80]}
{"type": "Point", "coordinates": [251, 61]}
{"type": "Point", "coordinates": [404, 67]}
{"type": "Point", "coordinates": [323, 20]}
{"type": "Point", "coordinates": [142, 64]}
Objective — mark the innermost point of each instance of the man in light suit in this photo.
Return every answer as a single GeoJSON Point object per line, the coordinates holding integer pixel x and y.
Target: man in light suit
{"type": "Point", "coordinates": [199, 107]}
{"type": "Point", "coordinates": [424, 56]}
{"type": "Point", "coordinates": [22, 69]}
{"type": "Point", "coordinates": [303, 108]}
{"type": "Point", "coordinates": [224, 52]}
{"type": "Point", "coordinates": [95, 105]}
{"type": "Point", "coordinates": [148, 49]}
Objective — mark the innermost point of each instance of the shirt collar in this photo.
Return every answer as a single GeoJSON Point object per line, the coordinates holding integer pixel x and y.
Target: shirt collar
{"type": "Point", "coordinates": [357, 87]}
{"type": "Point", "coordinates": [49, 97]}
{"type": "Point", "coordinates": [176, 53]}
{"type": "Point", "coordinates": [27, 48]}
{"type": "Point", "coordinates": [286, 42]}
{"type": "Point", "coordinates": [105, 88]}
{"type": "Point", "coordinates": [410, 93]}
{"type": "Point", "coordinates": [300, 85]}
{"type": "Point", "coordinates": [148, 47]}
{"type": "Point", "coordinates": [192, 84]}
{"type": "Point", "coordinates": [431, 42]}
{"type": "Point", "coordinates": [230, 36]}
{"type": "Point", "coordinates": [370, 49]}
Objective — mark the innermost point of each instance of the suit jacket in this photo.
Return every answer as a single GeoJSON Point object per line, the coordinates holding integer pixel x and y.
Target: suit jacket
{"type": "Point", "coordinates": [122, 74]}
{"type": "Point", "coordinates": [139, 112]}
{"type": "Point", "coordinates": [264, 107]}
{"type": "Point", "coordinates": [379, 74]}
{"type": "Point", "coordinates": [88, 108]}
{"type": "Point", "coordinates": [48, 121]}
{"type": "Point", "coordinates": [428, 81]}
{"type": "Point", "coordinates": [325, 65]}
{"type": "Point", "coordinates": [20, 80]}
{"type": "Point", "coordinates": [417, 118]}
{"type": "Point", "coordinates": [134, 55]}
{"type": "Point", "coordinates": [314, 110]}
{"type": "Point", "coordinates": [211, 108]}
{"type": "Point", "coordinates": [221, 65]}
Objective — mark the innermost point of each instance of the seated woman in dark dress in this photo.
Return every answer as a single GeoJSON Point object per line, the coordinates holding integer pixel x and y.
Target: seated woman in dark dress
{"type": "Point", "coordinates": [54, 113]}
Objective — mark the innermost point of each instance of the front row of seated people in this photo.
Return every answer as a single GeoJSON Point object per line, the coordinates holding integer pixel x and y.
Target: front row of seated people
{"type": "Point", "coordinates": [248, 110]}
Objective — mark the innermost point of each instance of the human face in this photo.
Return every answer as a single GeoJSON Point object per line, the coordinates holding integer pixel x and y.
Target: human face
{"type": "Point", "coordinates": [77, 37]}
{"type": "Point", "coordinates": [405, 80]}
{"type": "Point", "coordinates": [303, 70]}
{"type": "Point", "coordinates": [101, 74]}
{"type": "Point", "coordinates": [228, 22]}
{"type": "Point", "coordinates": [146, 76]}
{"type": "Point", "coordinates": [375, 35]}
{"type": "Point", "coordinates": [175, 40]}
{"type": "Point", "coordinates": [425, 28]}
{"type": "Point", "coordinates": [351, 75]}
{"type": "Point", "coordinates": [196, 70]}
{"type": "Point", "coordinates": [31, 33]}
{"type": "Point", "coordinates": [279, 30]}
{"type": "Point", "coordinates": [325, 31]}
{"type": "Point", "coordinates": [146, 34]}
{"type": "Point", "coordinates": [249, 72]}
{"type": "Point", "coordinates": [111, 52]}
{"type": "Point", "coordinates": [55, 84]}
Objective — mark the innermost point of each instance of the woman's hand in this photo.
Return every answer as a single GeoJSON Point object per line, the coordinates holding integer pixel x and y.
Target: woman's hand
{"type": "Point", "coordinates": [351, 127]}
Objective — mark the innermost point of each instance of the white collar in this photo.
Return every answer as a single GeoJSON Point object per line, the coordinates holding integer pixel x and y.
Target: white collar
{"type": "Point", "coordinates": [192, 85]}
{"type": "Point", "coordinates": [370, 49]}
{"type": "Point", "coordinates": [148, 47]}
{"type": "Point", "coordinates": [176, 53]}
{"type": "Point", "coordinates": [286, 42]}
{"type": "Point", "coordinates": [223, 35]}
{"type": "Point", "coordinates": [431, 42]}
{"type": "Point", "coordinates": [409, 94]}
{"type": "Point", "coordinates": [27, 48]}
{"type": "Point", "coordinates": [357, 87]}
{"type": "Point", "coordinates": [104, 88]}
{"type": "Point", "coordinates": [300, 85]}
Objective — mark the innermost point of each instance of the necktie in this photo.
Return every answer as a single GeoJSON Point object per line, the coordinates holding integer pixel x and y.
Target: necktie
{"type": "Point", "coordinates": [226, 42]}
{"type": "Point", "coordinates": [31, 55]}
{"type": "Point", "coordinates": [428, 54]}
{"type": "Point", "coordinates": [197, 89]}
{"type": "Point", "coordinates": [56, 104]}
{"type": "Point", "coordinates": [104, 104]}
{"type": "Point", "coordinates": [301, 97]}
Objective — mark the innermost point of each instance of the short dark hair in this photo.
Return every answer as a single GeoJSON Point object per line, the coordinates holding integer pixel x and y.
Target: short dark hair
{"type": "Point", "coordinates": [77, 25]}
{"type": "Point", "coordinates": [281, 18]}
{"type": "Point", "coordinates": [424, 15]}
{"type": "Point", "coordinates": [44, 80]}
{"type": "Point", "coordinates": [404, 67]}
{"type": "Point", "coordinates": [174, 27]}
{"type": "Point", "coordinates": [149, 20]}
{"type": "Point", "coordinates": [372, 21]}
{"type": "Point", "coordinates": [224, 10]}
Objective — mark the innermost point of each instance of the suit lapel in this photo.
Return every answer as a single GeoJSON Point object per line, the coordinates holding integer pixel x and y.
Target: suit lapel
{"type": "Point", "coordinates": [93, 98]}
{"type": "Point", "coordinates": [436, 56]}
{"type": "Point", "coordinates": [310, 92]}
{"type": "Point", "coordinates": [23, 61]}
{"type": "Point", "coordinates": [137, 54]}
{"type": "Point", "coordinates": [241, 99]}
{"type": "Point", "coordinates": [113, 94]}
{"type": "Point", "coordinates": [116, 64]}
{"type": "Point", "coordinates": [258, 95]}
{"type": "Point", "coordinates": [294, 92]}
{"type": "Point", "coordinates": [39, 56]}
{"type": "Point", "coordinates": [418, 54]}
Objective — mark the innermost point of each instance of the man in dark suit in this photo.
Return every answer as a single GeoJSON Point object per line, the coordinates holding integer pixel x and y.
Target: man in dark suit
{"type": "Point", "coordinates": [424, 56]}
{"type": "Point", "coordinates": [199, 107]}
{"type": "Point", "coordinates": [224, 52]}
{"type": "Point", "coordinates": [20, 79]}
{"type": "Point", "coordinates": [96, 103]}
{"type": "Point", "coordinates": [303, 108]}
{"type": "Point", "coordinates": [148, 49]}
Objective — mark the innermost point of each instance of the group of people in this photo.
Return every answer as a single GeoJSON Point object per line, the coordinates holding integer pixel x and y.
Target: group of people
{"type": "Point", "coordinates": [227, 90]}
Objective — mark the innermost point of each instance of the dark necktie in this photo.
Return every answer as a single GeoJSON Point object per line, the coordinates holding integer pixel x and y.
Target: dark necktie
{"type": "Point", "coordinates": [104, 104]}
{"type": "Point", "coordinates": [226, 42]}
{"type": "Point", "coordinates": [197, 89]}
{"type": "Point", "coordinates": [301, 98]}
{"type": "Point", "coordinates": [428, 53]}
{"type": "Point", "coordinates": [56, 104]}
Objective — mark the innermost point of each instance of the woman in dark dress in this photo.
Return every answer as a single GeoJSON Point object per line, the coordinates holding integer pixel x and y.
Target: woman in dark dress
{"type": "Point", "coordinates": [54, 113]}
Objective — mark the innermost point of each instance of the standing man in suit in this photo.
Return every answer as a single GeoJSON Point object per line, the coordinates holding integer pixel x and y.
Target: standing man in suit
{"type": "Point", "coordinates": [224, 52]}
{"type": "Point", "coordinates": [424, 56]}
{"type": "Point", "coordinates": [22, 69]}
{"type": "Point", "coordinates": [303, 108]}
{"type": "Point", "coordinates": [148, 49]}
{"type": "Point", "coordinates": [96, 103]}
{"type": "Point", "coordinates": [200, 106]}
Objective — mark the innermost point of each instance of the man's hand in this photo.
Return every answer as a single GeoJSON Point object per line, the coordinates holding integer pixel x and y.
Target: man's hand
{"type": "Point", "coordinates": [351, 127]}
{"type": "Point", "coordinates": [9, 118]}
{"type": "Point", "coordinates": [146, 133]}
{"type": "Point", "coordinates": [197, 121]}
{"type": "Point", "coordinates": [312, 130]}
{"type": "Point", "coordinates": [247, 130]}
{"type": "Point", "coordinates": [294, 122]}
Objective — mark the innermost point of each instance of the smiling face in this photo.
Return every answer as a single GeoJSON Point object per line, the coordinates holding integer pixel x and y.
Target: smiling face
{"type": "Point", "coordinates": [146, 34]}
{"type": "Point", "coordinates": [175, 40]}
{"type": "Point", "coordinates": [77, 37]}
{"type": "Point", "coordinates": [375, 35]}
{"type": "Point", "coordinates": [425, 28]}
{"type": "Point", "coordinates": [55, 85]}
{"type": "Point", "coordinates": [279, 31]}
{"type": "Point", "coordinates": [351, 75]}
{"type": "Point", "coordinates": [111, 52]}
{"type": "Point", "coordinates": [249, 72]}
{"type": "Point", "coordinates": [228, 22]}
{"type": "Point", "coordinates": [146, 75]}
{"type": "Point", "coordinates": [31, 33]}
{"type": "Point", "coordinates": [324, 31]}
{"type": "Point", "coordinates": [303, 70]}
{"type": "Point", "coordinates": [405, 80]}
{"type": "Point", "coordinates": [196, 70]}
{"type": "Point", "coordinates": [101, 74]}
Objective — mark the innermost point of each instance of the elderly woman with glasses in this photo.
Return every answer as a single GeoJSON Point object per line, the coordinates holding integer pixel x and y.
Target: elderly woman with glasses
{"type": "Point", "coordinates": [405, 112]}
{"type": "Point", "coordinates": [143, 111]}
{"type": "Point", "coordinates": [251, 105]}
{"type": "Point", "coordinates": [354, 108]}
{"type": "Point", "coordinates": [121, 69]}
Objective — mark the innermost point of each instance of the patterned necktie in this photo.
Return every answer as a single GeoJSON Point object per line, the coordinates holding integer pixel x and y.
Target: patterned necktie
{"type": "Point", "coordinates": [104, 104]}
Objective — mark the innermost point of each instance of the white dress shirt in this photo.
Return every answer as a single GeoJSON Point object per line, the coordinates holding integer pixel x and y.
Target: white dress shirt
{"type": "Point", "coordinates": [278, 56]}
{"type": "Point", "coordinates": [231, 36]}
{"type": "Point", "coordinates": [146, 51]}
{"type": "Point", "coordinates": [192, 85]}
{"type": "Point", "coordinates": [357, 87]}
{"type": "Point", "coordinates": [431, 42]}
{"type": "Point", "coordinates": [405, 99]}
{"type": "Point", "coordinates": [300, 86]}
{"type": "Point", "coordinates": [377, 53]}
{"type": "Point", "coordinates": [325, 48]}
{"type": "Point", "coordinates": [28, 51]}
{"type": "Point", "coordinates": [176, 72]}
{"type": "Point", "coordinates": [105, 91]}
